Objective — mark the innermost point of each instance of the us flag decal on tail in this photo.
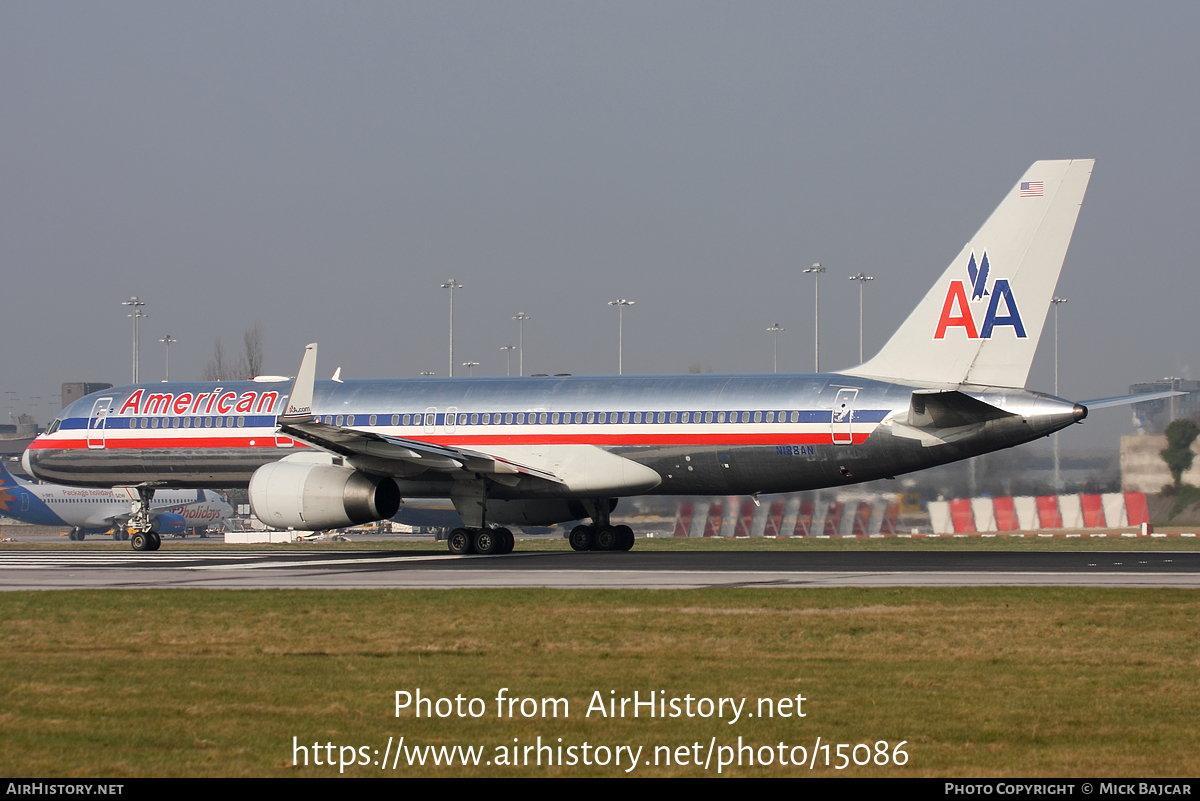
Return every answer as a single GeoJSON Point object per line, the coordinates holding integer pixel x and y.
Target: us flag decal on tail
{"type": "Point", "coordinates": [1032, 188]}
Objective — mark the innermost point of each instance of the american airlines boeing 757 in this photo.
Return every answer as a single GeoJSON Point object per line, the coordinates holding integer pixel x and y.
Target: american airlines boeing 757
{"type": "Point", "coordinates": [535, 451]}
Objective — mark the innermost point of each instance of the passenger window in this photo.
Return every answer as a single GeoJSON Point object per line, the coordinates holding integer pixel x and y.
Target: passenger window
{"type": "Point", "coordinates": [720, 417]}
{"type": "Point", "coordinates": [625, 417]}
{"type": "Point", "coordinates": [350, 420]}
{"type": "Point", "coordinates": [340, 420]}
{"type": "Point", "coordinates": [553, 419]}
{"type": "Point", "coordinates": [770, 417]}
{"type": "Point", "coordinates": [395, 419]}
{"type": "Point", "coordinates": [591, 417]}
{"type": "Point", "coordinates": [372, 420]}
{"type": "Point", "coordinates": [508, 418]}
{"type": "Point", "coordinates": [757, 417]}
{"type": "Point", "coordinates": [241, 422]}
{"type": "Point", "coordinates": [795, 417]}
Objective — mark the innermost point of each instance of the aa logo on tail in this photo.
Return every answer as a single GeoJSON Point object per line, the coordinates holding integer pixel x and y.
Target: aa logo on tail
{"type": "Point", "coordinates": [957, 311]}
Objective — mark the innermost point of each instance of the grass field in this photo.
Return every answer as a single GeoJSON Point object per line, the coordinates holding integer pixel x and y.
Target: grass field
{"type": "Point", "coordinates": [977, 682]}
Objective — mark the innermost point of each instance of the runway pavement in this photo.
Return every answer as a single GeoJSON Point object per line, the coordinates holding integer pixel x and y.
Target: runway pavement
{"type": "Point", "coordinates": [435, 569]}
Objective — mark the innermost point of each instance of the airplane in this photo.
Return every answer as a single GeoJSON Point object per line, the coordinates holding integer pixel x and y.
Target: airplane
{"type": "Point", "coordinates": [948, 385]}
{"type": "Point", "coordinates": [99, 510]}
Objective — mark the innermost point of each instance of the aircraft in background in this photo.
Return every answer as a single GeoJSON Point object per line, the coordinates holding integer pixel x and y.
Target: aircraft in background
{"type": "Point", "coordinates": [536, 451]}
{"type": "Point", "coordinates": [100, 510]}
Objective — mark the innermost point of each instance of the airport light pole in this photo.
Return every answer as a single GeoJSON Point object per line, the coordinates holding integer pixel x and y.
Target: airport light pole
{"type": "Point", "coordinates": [470, 367]}
{"type": "Point", "coordinates": [1057, 302]}
{"type": "Point", "coordinates": [167, 340]}
{"type": "Point", "coordinates": [861, 279]}
{"type": "Point", "coordinates": [816, 271]}
{"type": "Point", "coordinates": [452, 285]}
{"type": "Point", "coordinates": [508, 349]}
{"type": "Point", "coordinates": [136, 314]}
{"type": "Point", "coordinates": [620, 304]}
{"type": "Point", "coordinates": [521, 318]}
{"type": "Point", "coordinates": [775, 329]}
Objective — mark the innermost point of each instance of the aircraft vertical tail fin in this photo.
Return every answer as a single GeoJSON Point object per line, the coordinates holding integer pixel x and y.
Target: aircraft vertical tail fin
{"type": "Point", "coordinates": [981, 322]}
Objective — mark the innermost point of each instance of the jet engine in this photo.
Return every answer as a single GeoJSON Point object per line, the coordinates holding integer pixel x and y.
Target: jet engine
{"type": "Point", "coordinates": [168, 523]}
{"type": "Point", "coordinates": [313, 497]}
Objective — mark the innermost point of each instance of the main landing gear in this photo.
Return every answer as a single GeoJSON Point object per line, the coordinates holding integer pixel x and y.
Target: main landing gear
{"type": "Point", "coordinates": [485, 541]}
{"type": "Point", "coordinates": [601, 538]}
{"type": "Point", "coordinates": [601, 535]}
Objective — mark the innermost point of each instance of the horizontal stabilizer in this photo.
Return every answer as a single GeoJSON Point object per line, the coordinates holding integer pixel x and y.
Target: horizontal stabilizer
{"type": "Point", "coordinates": [950, 410]}
{"type": "Point", "coordinates": [1125, 400]}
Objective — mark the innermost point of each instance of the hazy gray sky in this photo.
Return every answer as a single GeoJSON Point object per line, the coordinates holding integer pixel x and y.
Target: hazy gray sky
{"type": "Point", "coordinates": [323, 168]}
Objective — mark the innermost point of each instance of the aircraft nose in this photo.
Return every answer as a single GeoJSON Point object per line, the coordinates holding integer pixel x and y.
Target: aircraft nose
{"type": "Point", "coordinates": [25, 463]}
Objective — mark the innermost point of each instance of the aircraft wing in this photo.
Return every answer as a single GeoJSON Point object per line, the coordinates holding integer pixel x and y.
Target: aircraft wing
{"type": "Point", "coordinates": [298, 422]}
{"type": "Point", "coordinates": [422, 455]}
{"type": "Point", "coordinates": [565, 468]}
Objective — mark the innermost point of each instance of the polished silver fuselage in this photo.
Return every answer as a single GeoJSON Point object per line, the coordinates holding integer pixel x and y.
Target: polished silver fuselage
{"type": "Point", "coordinates": [703, 434]}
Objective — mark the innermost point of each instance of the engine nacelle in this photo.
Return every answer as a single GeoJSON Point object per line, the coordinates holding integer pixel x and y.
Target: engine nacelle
{"type": "Point", "coordinates": [168, 523]}
{"type": "Point", "coordinates": [313, 497]}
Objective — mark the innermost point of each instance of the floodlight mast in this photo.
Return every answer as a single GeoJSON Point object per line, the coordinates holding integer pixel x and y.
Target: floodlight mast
{"type": "Point", "coordinates": [1056, 301]}
{"type": "Point", "coordinates": [167, 340]}
{"type": "Point", "coordinates": [620, 304]}
{"type": "Point", "coordinates": [521, 318]}
{"type": "Point", "coordinates": [861, 279]}
{"type": "Point", "coordinates": [137, 315]}
{"type": "Point", "coordinates": [452, 285]}
{"type": "Point", "coordinates": [816, 271]}
{"type": "Point", "coordinates": [775, 329]}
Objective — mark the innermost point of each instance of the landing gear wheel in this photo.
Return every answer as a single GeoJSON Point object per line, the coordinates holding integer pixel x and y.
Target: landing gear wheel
{"type": "Point", "coordinates": [625, 538]}
{"type": "Point", "coordinates": [582, 538]}
{"type": "Point", "coordinates": [119, 536]}
{"type": "Point", "coordinates": [606, 538]}
{"type": "Point", "coordinates": [80, 535]}
{"type": "Point", "coordinates": [459, 541]}
{"type": "Point", "coordinates": [507, 541]}
{"type": "Point", "coordinates": [140, 541]}
{"type": "Point", "coordinates": [71, 535]}
{"type": "Point", "coordinates": [155, 541]}
{"type": "Point", "coordinates": [488, 542]}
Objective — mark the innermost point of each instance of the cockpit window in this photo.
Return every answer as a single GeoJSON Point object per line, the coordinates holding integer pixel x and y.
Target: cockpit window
{"type": "Point", "coordinates": [54, 426]}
